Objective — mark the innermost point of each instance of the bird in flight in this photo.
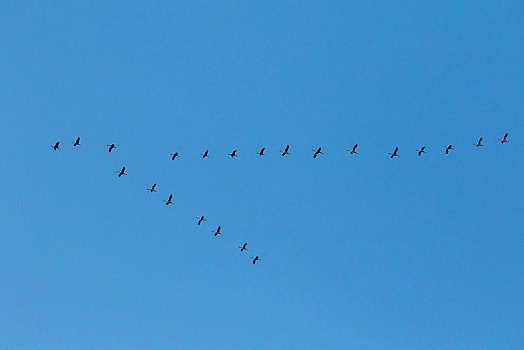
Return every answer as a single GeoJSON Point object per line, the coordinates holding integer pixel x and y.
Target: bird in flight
{"type": "Point", "coordinates": [200, 219]}
{"type": "Point", "coordinates": [317, 152]}
{"type": "Point", "coordinates": [169, 200]}
{"type": "Point", "coordinates": [479, 143]}
{"type": "Point", "coordinates": [233, 154]}
{"type": "Point", "coordinates": [152, 189]}
{"type": "Point", "coordinates": [354, 149]}
{"type": "Point", "coordinates": [174, 155]}
{"type": "Point", "coordinates": [217, 232]}
{"type": "Point", "coordinates": [111, 146]}
{"type": "Point", "coordinates": [261, 153]}
{"type": "Point", "coordinates": [243, 247]}
{"type": "Point", "coordinates": [448, 148]}
{"type": "Point", "coordinates": [504, 139]}
{"type": "Point", "coordinates": [421, 150]}
{"type": "Point", "coordinates": [394, 154]}
{"type": "Point", "coordinates": [122, 172]}
{"type": "Point", "coordinates": [206, 153]}
{"type": "Point", "coordinates": [286, 151]}
{"type": "Point", "coordinates": [55, 147]}
{"type": "Point", "coordinates": [255, 259]}
{"type": "Point", "coordinates": [77, 142]}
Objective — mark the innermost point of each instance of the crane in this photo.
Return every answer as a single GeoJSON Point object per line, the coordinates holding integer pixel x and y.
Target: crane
{"type": "Point", "coordinates": [174, 155]}
{"type": "Point", "coordinates": [55, 147]}
{"type": "Point", "coordinates": [504, 139]}
{"type": "Point", "coordinates": [479, 143]}
{"type": "Point", "coordinates": [448, 148]}
{"type": "Point", "coordinates": [111, 147]}
{"type": "Point", "coordinates": [243, 247]}
{"type": "Point", "coordinates": [286, 151]}
{"type": "Point", "coordinates": [217, 232]}
{"type": "Point", "coordinates": [255, 259]}
{"type": "Point", "coordinates": [354, 149]}
{"type": "Point", "coordinates": [121, 172]}
{"type": "Point", "coordinates": [169, 200]}
{"type": "Point", "coordinates": [77, 142]}
{"type": "Point", "coordinates": [205, 154]}
{"type": "Point", "coordinates": [233, 154]}
{"type": "Point", "coordinates": [394, 154]}
{"type": "Point", "coordinates": [261, 153]}
{"type": "Point", "coordinates": [200, 219]}
{"type": "Point", "coordinates": [152, 189]}
{"type": "Point", "coordinates": [421, 150]}
{"type": "Point", "coordinates": [317, 152]}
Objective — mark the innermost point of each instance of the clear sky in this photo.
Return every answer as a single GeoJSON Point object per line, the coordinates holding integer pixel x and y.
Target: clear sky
{"type": "Point", "coordinates": [358, 252]}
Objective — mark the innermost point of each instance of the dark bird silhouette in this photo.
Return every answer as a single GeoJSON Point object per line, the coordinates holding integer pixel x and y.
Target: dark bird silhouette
{"type": "Point", "coordinates": [478, 144]}
{"type": "Point", "coordinates": [233, 154]}
{"type": "Point", "coordinates": [261, 153]}
{"type": "Point", "coordinates": [255, 259]}
{"type": "Point", "coordinates": [152, 189]}
{"type": "Point", "coordinates": [243, 247]}
{"type": "Point", "coordinates": [504, 139]}
{"type": "Point", "coordinates": [206, 153]}
{"type": "Point", "coordinates": [174, 155]}
{"type": "Point", "coordinates": [169, 200]}
{"type": "Point", "coordinates": [122, 172]}
{"type": "Point", "coordinates": [394, 154]}
{"type": "Point", "coordinates": [448, 148]}
{"type": "Point", "coordinates": [354, 149]}
{"type": "Point", "coordinates": [200, 219]}
{"type": "Point", "coordinates": [286, 151]}
{"type": "Point", "coordinates": [55, 147]}
{"type": "Point", "coordinates": [217, 232]}
{"type": "Point", "coordinates": [421, 150]}
{"type": "Point", "coordinates": [111, 147]}
{"type": "Point", "coordinates": [317, 152]}
{"type": "Point", "coordinates": [77, 142]}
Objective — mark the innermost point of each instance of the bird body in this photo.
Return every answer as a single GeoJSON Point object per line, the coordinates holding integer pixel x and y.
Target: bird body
{"type": "Point", "coordinates": [200, 219]}
{"type": "Point", "coordinates": [261, 153]}
{"type": "Point", "coordinates": [55, 147]}
{"type": "Point", "coordinates": [394, 154]}
{"type": "Point", "coordinates": [285, 151]}
{"type": "Point", "coordinates": [255, 259]}
{"type": "Point", "coordinates": [206, 153]}
{"type": "Point", "coordinates": [448, 148]}
{"type": "Point", "coordinates": [504, 139]}
{"type": "Point", "coordinates": [77, 142]}
{"type": "Point", "coordinates": [233, 154]}
{"type": "Point", "coordinates": [174, 155]}
{"type": "Point", "coordinates": [479, 143]}
{"type": "Point", "coordinates": [421, 150]}
{"type": "Point", "coordinates": [169, 200]}
{"type": "Point", "coordinates": [152, 189]}
{"type": "Point", "coordinates": [111, 147]}
{"type": "Point", "coordinates": [243, 247]}
{"type": "Point", "coordinates": [354, 149]}
{"type": "Point", "coordinates": [122, 172]}
{"type": "Point", "coordinates": [317, 152]}
{"type": "Point", "coordinates": [217, 232]}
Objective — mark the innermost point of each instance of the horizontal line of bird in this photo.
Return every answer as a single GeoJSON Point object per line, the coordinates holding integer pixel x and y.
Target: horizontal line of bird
{"type": "Point", "coordinates": [284, 152]}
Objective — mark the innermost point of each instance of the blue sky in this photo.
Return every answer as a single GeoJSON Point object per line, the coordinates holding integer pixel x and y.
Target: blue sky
{"type": "Point", "coordinates": [357, 252]}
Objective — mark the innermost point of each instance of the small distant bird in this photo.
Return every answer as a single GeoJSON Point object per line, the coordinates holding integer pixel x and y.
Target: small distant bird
{"type": "Point", "coordinates": [217, 232]}
{"type": "Point", "coordinates": [169, 200]}
{"type": "Point", "coordinates": [77, 142]}
{"type": "Point", "coordinates": [317, 152]}
{"type": "Point", "coordinates": [243, 247]}
{"type": "Point", "coordinates": [200, 219]}
{"type": "Point", "coordinates": [354, 149]}
{"type": "Point", "coordinates": [206, 153]}
{"type": "Point", "coordinates": [174, 155]}
{"type": "Point", "coordinates": [261, 153]}
{"type": "Point", "coordinates": [152, 189]}
{"type": "Point", "coordinates": [448, 148]}
{"type": "Point", "coordinates": [394, 154]}
{"type": "Point", "coordinates": [233, 154]}
{"type": "Point", "coordinates": [421, 150]}
{"type": "Point", "coordinates": [111, 146]}
{"type": "Point", "coordinates": [504, 139]}
{"type": "Point", "coordinates": [122, 172]}
{"type": "Point", "coordinates": [255, 259]}
{"type": "Point", "coordinates": [55, 147]}
{"type": "Point", "coordinates": [286, 151]}
{"type": "Point", "coordinates": [478, 144]}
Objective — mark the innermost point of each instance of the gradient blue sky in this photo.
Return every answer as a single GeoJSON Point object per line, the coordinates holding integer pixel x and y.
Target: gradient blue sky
{"type": "Point", "coordinates": [358, 252]}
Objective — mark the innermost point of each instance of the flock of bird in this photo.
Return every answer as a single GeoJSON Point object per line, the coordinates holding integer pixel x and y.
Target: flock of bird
{"type": "Point", "coordinates": [284, 152]}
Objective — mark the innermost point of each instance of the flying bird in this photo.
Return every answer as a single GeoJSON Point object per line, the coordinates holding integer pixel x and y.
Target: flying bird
{"type": "Point", "coordinates": [354, 149]}
{"type": "Point", "coordinates": [261, 153]}
{"type": "Point", "coordinates": [421, 150]}
{"type": "Point", "coordinates": [448, 148]}
{"type": "Point", "coordinates": [255, 259]}
{"type": "Point", "coordinates": [122, 172]}
{"type": "Point", "coordinates": [200, 219]}
{"type": "Point", "coordinates": [169, 200]}
{"type": "Point", "coordinates": [174, 155]}
{"type": "Point", "coordinates": [243, 247]}
{"type": "Point", "coordinates": [504, 139]}
{"type": "Point", "coordinates": [317, 152]}
{"type": "Point", "coordinates": [217, 232]}
{"type": "Point", "coordinates": [478, 144]}
{"type": "Point", "coordinates": [394, 154]}
{"type": "Point", "coordinates": [205, 153]}
{"type": "Point", "coordinates": [152, 189]}
{"type": "Point", "coordinates": [55, 147]}
{"type": "Point", "coordinates": [233, 154]}
{"type": "Point", "coordinates": [77, 142]}
{"type": "Point", "coordinates": [286, 151]}
{"type": "Point", "coordinates": [111, 146]}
